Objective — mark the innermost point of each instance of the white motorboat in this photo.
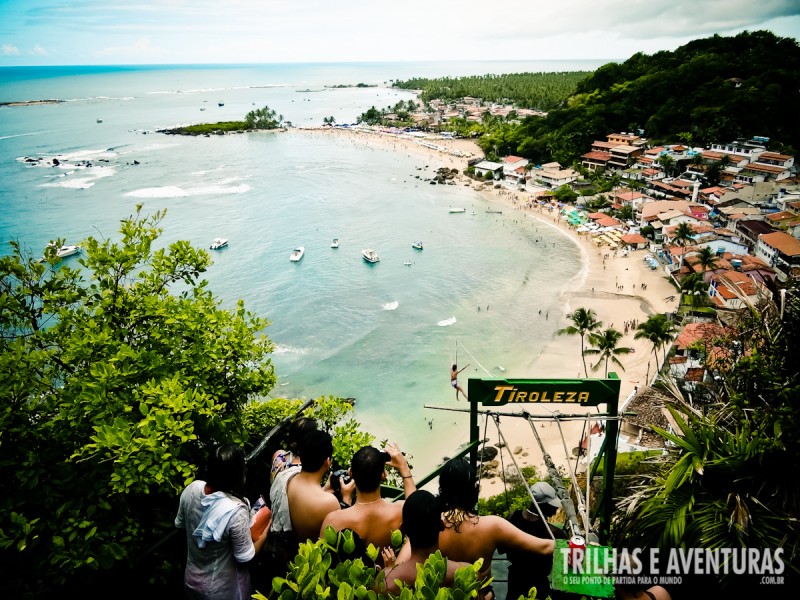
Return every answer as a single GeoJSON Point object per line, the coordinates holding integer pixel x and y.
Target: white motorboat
{"type": "Point", "coordinates": [65, 251]}
{"type": "Point", "coordinates": [218, 243]}
{"type": "Point", "coordinates": [297, 254]}
{"type": "Point", "coordinates": [335, 243]}
{"type": "Point", "coordinates": [407, 263]}
{"type": "Point", "coordinates": [417, 245]}
{"type": "Point", "coordinates": [457, 210]}
{"type": "Point", "coordinates": [370, 255]}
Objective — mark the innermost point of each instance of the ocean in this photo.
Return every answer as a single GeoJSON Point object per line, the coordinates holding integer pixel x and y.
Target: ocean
{"type": "Point", "coordinates": [385, 334]}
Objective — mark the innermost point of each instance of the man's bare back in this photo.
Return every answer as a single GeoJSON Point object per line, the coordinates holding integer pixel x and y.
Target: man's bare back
{"type": "Point", "coordinates": [309, 504]}
{"type": "Point", "coordinates": [373, 522]}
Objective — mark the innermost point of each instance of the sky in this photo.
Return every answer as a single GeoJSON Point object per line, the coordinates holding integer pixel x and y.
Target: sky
{"type": "Point", "coordinates": [117, 32]}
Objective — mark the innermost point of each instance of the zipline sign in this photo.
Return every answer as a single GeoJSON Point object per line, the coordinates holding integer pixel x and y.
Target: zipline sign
{"type": "Point", "coordinates": [586, 392]}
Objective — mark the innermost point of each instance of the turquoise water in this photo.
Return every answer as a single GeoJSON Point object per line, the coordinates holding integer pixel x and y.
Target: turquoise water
{"type": "Point", "coordinates": [385, 334]}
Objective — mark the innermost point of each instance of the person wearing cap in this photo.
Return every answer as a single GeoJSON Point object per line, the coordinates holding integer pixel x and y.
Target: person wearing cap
{"type": "Point", "coordinates": [531, 569]}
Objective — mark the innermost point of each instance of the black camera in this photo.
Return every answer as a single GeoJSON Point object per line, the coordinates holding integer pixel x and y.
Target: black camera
{"type": "Point", "coordinates": [339, 477]}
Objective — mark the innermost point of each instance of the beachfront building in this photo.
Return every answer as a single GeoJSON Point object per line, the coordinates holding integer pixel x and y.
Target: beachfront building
{"type": "Point", "coordinates": [552, 176]}
{"type": "Point", "coordinates": [487, 166]}
{"type": "Point", "coordinates": [780, 251]}
{"type": "Point", "coordinates": [514, 169]}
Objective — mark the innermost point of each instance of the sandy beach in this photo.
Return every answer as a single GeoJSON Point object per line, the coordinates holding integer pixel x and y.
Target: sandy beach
{"type": "Point", "coordinates": [610, 285]}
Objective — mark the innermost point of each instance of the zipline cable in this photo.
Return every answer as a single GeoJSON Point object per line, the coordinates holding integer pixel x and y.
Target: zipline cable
{"type": "Point", "coordinates": [489, 373]}
{"type": "Point", "coordinates": [519, 472]}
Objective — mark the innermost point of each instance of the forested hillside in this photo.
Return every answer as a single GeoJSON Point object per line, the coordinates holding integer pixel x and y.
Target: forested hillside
{"type": "Point", "coordinates": [710, 90]}
{"type": "Point", "coordinates": [541, 91]}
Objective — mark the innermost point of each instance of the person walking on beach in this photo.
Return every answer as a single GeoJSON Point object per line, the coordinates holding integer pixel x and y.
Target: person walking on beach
{"type": "Point", "coordinates": [454, 381]}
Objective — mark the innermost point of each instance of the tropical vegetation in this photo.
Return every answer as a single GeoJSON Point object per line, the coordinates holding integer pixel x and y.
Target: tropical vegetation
{"type": "Point", "coordinates": [725, 482]}
{"type": "Point", "coordinates": [115, 379]}
{"type": "Point", "coordinates": [541, 91]}
{"type": "Point", "coordinates": [259, 119]}
{"type": "Point", "coordinates": [584, 323]}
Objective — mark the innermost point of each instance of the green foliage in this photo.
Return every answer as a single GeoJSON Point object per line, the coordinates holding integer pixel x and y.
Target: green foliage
{"type": "Point", "coordinates": [263, 118]}
{"type": "Point", "coordinates": [515, 497]}
{"type": "Point", "coordinates": [691, 93]}
{"type": "Point", "coordinates": [328, 568]}
{"type": "Point", "coordinates": [543, 91]}
{"type": "Point", "coordinates": [725, 484]}
{"type": "Point", "coordinates": [114, 377]}
{"type": "Point", "coordinates": [584, 323]}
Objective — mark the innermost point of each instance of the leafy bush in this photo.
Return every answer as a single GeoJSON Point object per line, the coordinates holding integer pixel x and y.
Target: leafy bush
{"type": "Point", "coordinates": [327, 569]}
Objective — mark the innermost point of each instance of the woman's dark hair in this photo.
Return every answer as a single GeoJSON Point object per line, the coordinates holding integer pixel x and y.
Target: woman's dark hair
{"type": "Point", "coordinates": [297, 430]}
{"type": "Point", "coordinates": [458, 486]}
{"type": "Point", "coordinates": [225, 471]}
{"type": "Point", "coordinates": [422, 519]}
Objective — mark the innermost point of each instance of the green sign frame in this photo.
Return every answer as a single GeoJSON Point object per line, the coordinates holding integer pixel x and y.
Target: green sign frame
{"type": "Point", "coordinates": [584, 392]}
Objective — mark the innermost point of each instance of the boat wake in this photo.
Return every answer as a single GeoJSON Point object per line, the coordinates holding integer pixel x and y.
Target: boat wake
{"type": "Point", "coordinates": [447, 322]}
{"type": "Point", "coordinates": [391, 305]}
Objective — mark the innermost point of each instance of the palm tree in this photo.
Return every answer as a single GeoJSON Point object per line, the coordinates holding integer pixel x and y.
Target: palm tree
{"type": "Point", "coordinates": [707, 259]}
{"type": "Point", "coordinates": [682, 235]}
{"type": "Point", "coordinates": [606, 348]}
{"type": "Point", "coordinates": [694, 286]}
{"type": "Point", "coordinates": [584, 321]}
{"type": "Point", "coordinates": [667, 164]}
{"type": "Point", "coordinates": [658, 330]}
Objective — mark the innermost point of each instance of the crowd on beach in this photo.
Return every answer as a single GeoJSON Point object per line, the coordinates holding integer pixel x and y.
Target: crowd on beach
{"type": "Point", "coordinates": [235, 547]}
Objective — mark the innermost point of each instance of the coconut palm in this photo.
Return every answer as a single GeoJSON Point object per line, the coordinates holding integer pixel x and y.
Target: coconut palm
{"type": "Point", "coordinates": [707, 259]}
{"type": "Point", "coordinates": [695, 287]}
{"type": "Point", "coordinates": [584, 322]}
{"type": "Point", "coordinates": [605, 346]}
{"type": "Point", "coordinates": [682, 235]}
{"type": "Point", "coordinates": [658, 330]}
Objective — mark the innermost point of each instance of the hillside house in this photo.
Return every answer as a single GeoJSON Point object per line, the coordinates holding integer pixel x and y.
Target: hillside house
{"type": "Point", "coordinates": [780, 251]}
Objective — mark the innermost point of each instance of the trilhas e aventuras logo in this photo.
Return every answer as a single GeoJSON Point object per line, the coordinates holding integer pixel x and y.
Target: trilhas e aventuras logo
{"type": "Point", "coordinates": [654, 566]}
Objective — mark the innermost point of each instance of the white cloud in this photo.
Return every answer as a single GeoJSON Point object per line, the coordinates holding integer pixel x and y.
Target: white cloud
{"type": "Point", "coordinates": [9, 50]}
{"type": "Point", "coordinates": [39, 51]}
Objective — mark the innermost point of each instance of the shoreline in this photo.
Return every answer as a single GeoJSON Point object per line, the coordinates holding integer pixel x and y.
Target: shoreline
{"type": "Point", "coordinates": [607, 284]}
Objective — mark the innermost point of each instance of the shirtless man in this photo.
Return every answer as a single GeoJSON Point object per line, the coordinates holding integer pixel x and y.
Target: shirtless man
{"type": "Point", "coordinates": [371, 517]}
{"type": "Point", "coordinates": [454, 380]}
{"type": "Point", "coordinates": [466, 536]}
{"type": "Point", "coordinates": [309, 504]}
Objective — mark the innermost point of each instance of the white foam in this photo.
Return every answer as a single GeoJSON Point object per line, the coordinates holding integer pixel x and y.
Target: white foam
{"type": "Point", "coordinates": [391, 305]}
{"type": "Point", "coordinates": [168, 191]}
{"type": "Point", "coordinates": [174, 191]}
{"type": "Point", "coordinates": [447, 322]}
{"type": "Point", "coordinates": [289, 350]}
{"type": "Point", "coordinates": [82, 183]}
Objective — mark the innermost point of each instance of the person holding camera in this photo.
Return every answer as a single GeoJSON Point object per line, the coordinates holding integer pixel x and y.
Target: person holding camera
{"type": "Point", "coordinates": [371, 517]}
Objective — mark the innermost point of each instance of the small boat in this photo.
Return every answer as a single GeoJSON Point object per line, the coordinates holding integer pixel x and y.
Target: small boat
{"type": "Point", "coordinates": [218, 243]}
{"type": "Point", "coordinates": [99, 120]}
{"type": "Point", "coordinates": [370, 255]}
{"type": "Point", "coordinates": [65, 251]}
{"type": "Point", "coordinates": [335, 243]}
{"type": "Point", "coordinates": [407, 263]}
{"type": "Point", "coordinates": [220, 104]}
{"type": "Point", "coordinates": [457, 210]}
{"type": "Point", "coordinates": [493, 212]}
{"type": "Point", "coordinates": [297, 254]}
{"type": "Point", "coordinates": [417, 245]}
